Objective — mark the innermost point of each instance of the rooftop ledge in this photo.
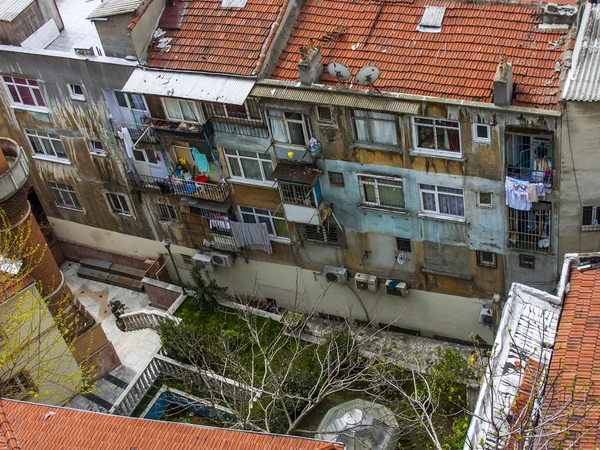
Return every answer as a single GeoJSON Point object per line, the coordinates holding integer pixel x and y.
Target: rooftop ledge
{"type": "Point", "coordinates": [407, 97]}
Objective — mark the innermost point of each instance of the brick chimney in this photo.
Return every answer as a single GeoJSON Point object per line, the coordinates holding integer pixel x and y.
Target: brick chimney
{"type": "Point", "coordinates": [503, 83]}
{"type": "Point", "coordinates": [310, 66]}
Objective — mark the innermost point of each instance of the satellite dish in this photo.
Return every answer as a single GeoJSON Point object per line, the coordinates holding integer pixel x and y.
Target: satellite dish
{"type": "Point", "coordinates": [367, 75]}
{"type": "Point", "coordinates": [401, 259]}
{"type": "Point", "coordinates": [339, 71]}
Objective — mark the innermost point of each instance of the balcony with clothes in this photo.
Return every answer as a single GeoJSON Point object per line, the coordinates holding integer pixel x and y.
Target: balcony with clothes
{"type": "Point", "coordinates": [530, 157]}
{"type": "Point", "coordinates": [300, 191]}
{"type": "Point", "coordinates": [530, 230]}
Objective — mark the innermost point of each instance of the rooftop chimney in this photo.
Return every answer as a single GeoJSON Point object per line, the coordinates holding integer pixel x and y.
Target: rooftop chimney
{"type": "Point", "coordinates": [503, 83]}
{"type": "Point", "coordinates": [310, 66]}
{"type": "Point", "coordinates": [552, 14]}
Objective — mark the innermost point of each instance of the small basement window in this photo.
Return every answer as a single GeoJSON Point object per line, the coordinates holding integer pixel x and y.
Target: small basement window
{"type": "Point", "coordinates": [432, 19]}
{"type": "Point", "coordinates": [324, 113]}
{"type": "Point", "coordinates": [484, 200]}
{"type": "Point", "coordinates": [481, 132]}
{"type": "Point", "coordinates": [76, 92]}
{"type": "Point", "coordinates": [527, 261]}
{"type": "Point", "coordinates": [336, 179]}
{"type": "Point", "coordinates": [403, 245]}
{"type": "Point", "coordinates": [486, 259]}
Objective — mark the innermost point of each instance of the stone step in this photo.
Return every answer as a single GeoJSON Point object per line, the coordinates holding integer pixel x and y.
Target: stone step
{"type": "Point", "coordinates": [96, 264]}
{"type": "Point", "coordinates": [124, 271]}
{"type": "Point", "coordinates": [125, 282]}
{"type": "Point", "coordinates": [92, 274]}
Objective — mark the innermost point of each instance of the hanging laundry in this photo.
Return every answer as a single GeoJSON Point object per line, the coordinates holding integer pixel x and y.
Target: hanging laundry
{"type": "Point", "coordinates": [532, 192]}
{"type": "Point", "coordinates": [128, 142]}
{"type": "Point", "coordinates": [516, 194]}
{"type": "Point", "coordinates": [254, 236]}
{"type": "Point", "coordinates": [201, 160]}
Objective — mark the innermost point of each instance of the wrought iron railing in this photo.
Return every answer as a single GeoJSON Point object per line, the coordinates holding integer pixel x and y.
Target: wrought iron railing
{"type": "Point", "coordinates": [297, 194]}
{"type": "Point", "coordinates": [530, 230]}
{"type": "Point", "coordinates": [174, 130]}
{"type": "Point", "coordinates": [530, 158]}
{"type": "Point", "coordinates": [217, 192]}
{"type": "Point", "coordinates": [139, 133]}
{"type": "Point", "coordinates": [245, 120]}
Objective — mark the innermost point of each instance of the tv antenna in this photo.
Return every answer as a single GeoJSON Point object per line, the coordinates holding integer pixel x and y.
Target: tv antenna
{"type": "Point", "coordinates": [339, 71]}
{"type": "Point", "coordinates": [367, 76]}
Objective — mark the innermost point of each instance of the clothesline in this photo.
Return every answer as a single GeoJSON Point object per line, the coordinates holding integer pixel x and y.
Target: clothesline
{"type": "Point", "coordinates": [521, 194]}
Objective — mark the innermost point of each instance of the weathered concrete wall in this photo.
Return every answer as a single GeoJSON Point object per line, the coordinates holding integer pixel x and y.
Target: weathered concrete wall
{"type": "Point", "coordinates": [429, 313]}
{"type": "Point", "coordinates": [143, 30]}
{"type": "Point", "coordinates": [580, 166]}
{"type": "Point", "coordinates": [115, 37]}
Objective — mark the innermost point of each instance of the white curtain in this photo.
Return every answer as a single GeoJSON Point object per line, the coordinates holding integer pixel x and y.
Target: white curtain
{"type": "Point", "coordinates": [452, 205]}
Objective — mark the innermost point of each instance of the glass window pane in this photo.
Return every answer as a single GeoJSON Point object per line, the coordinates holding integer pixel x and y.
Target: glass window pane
{"type": "Point", "coordinates": [48, 147]}
{"type": "Point", "coordinates": [261, 211]}
{"type": "Point", "coordinates": [14, 94]}
{"type": "Point", "coordinates": [422, 120]}
{"type": "Point", "coordinates": [121, 99]}
{"type": "Point", "coordinates": [39, 97]}
{"type": "Point", "coordinates": [428, 201]}
{"type": "Point", "coordinates": [35, 144]}
{"type": "Point", "coordinates": [137, 102]}
{"type": "Point", "coordinates": [251, 169]}
{"type": "Point", "coordinates": [246, 209]}
{"type": "Point", "coordinates": [361, 128]}
{"type": "Point", "coordinates": [235, 167]}
{"type": "Point", "coordinates": [218, 109]}
{"type": "Point", "coordinates": [59, 149]}
{"type": "Point", "coordinates": [278, 130]}
{"type": "Point", "coordinates": [268, 170]}
{"type": "Point", "coordinates": [448, 140]}
{"type": "Point", "coordinates": [293, 116]}
{"type": "Point", "coordinates": [384, 132]}
{"type": "Point", "coordinates": [296, 133]}
{"type": "Point", "coordinates": [369, 192]}
{"type": "Point", "coordinates": [138, 155]}
{"type": "Point", "coordinates": [358, 113]}
{"type": "Point", "coordinates": [267, 221]}
{"type": "Point", "coordinates": [587, 215]}
{"type": "Point", "coordinates": [391, 196]}
{"type": "Point", "coordinates": [430, 187]}
{"type": "Point", "coordinates": [173, 109]}
{"type": "Point", "coordinates": [238, 111]}
{"type": "Point", "coordinates": [26, 95]}
{"type": "Point", "coordinates": [378, 115]}
{"type": "Point", "coordinates": [151, 156]}
{"type": "Point", "coordinates": [230, 152]}
{"type": "Point", "coordinates": [281, 228]}
{"type": "Point", "coordinates": [452, 205]}
{"type": "Point", "coordinates": [249, 218]}
{"type": "Point", "coordinates": [187, 109]}
{"type": "Point", "coordinates": [425, 137]}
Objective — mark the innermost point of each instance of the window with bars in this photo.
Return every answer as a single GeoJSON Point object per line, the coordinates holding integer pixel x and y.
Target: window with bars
{"type": "Point", "coordinates": [530, 230]}
{"type": "Point", "coordinates": [442, 200]}
{"type": "Point", "coordinates": [275, 221]}
{"type": "Point", "coordinates": [64, 196]}
{"type": "Point", "coordinates": [249, 165]}
{"type": "Point", "coordinates": [328, 233]}
{"type": "Point", "coordinates": [438, 135]}
{"type": "Point", "coordinates": [247, 111]}
{"type": "Point", "coordinates": [374, 127]}
{"type": "Point", "coordinates": [336, 179]}
{"type": "Point", "coordinates": [381, 191]}
{"type": "Point", "coordinates": [530, 157]}
{"type": "Point", "coordinates": [486, 259]}
{"type": "Point", "coordinates": [25, 92]}
{"type": "Point", "coordinates": [297, 194]}
{"type": "Point", "coordinates": [590, 220]}
{"type": "Point", "coordinates": [166, 212]}
{"type": "Point", "coordinates": [288, 127]}
{"type": "Point", "coordinates": [47, 146]}
{"type": "Point", "coordinates": [403, 245]}
{"type": "Point", "coordinates": [118, 204]}
{"type": "Point", "coordinates": [181, 110]}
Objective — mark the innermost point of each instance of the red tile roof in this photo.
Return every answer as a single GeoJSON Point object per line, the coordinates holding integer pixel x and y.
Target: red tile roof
{"type": "Point", "coordinates": [577, 353]}
{"type": "Point", "coordinates": [39, 427]}
{"type": "Point", "coordinates": [220, 40]}
{"type": "Point", "coordinates": [459, 63]}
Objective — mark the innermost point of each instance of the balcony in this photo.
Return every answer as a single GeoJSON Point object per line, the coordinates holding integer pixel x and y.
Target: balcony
{"type": "Point", "coordinates": [530, 230]}
{"type": "Point", "coordinates": [216, 192]}
{"type": "Point", "coordinates": [244, 120]}
{"type": "Point", "coordinates": [530, 158]}
{"type": "Point", "coordinates": [300, 192]}
{"type": "Point", "coordinates": [175, 130]}
{"type": "Point", "coordinates": [208, 225]}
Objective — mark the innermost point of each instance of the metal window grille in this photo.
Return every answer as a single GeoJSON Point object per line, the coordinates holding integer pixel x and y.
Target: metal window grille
{"type": "Point", "coordinates": [297, 194]}
{"type": "Point", "coordinates": [336, 179]}
{"type": "Point", "coordinates": [186, 260]}
{"type": "Point", "coordinates": [64, 196]}
{"type": "Point", "coordinates": [166, 212]}
{"type": "Point", "coordinates": [245, 120]}
{"type": "Point", "coordinates": [590, 220]}
{"type": "Point", "coordinates": [328, 233]}
{"type": "Point", "coordinates": [527, 261]}
{"type": "Point", "coordinates": [486, 259]}
{"type": "Point", "coordinates": [403, 245]}
{"type": "Point", "coordinates": [530, 230]}
{"type": "Point", "coordinates": [530, 158]}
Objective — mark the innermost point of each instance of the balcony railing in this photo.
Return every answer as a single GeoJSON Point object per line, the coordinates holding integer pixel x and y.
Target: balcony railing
{"type": "Point", "coordinates": [245, 120]}
{"type": "Point", "coordinates": [530, 158]}
{"type": "Point", "coordinates": [217, 192]}
{"type": "Point", "coordinates": [530, 230]}
{"type": "Point", "coordinates": [173, 130]}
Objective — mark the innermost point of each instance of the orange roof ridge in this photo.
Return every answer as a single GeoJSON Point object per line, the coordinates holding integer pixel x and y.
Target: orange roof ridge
{"type": "Point", "coordinates": [7, 432]}
{"type": "Point", "coordinates": [269, 40]}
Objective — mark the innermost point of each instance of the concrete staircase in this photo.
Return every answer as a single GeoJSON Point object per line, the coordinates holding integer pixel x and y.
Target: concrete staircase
{"type": "Point", "coordinates": [112, 273]}
{"type": "Point", "coordinates": [106, 392]}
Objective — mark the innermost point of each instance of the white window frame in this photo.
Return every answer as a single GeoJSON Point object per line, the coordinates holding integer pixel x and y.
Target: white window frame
{"type": "Point", "coordinates": [485, 205]}
{"type": "Point", "coordinates": [227, 116]}
{"type": "Point", "coordinates": [61, 191]}
{"type": "Point", "coordinates": [376, 181]}
{"type": "Point", "coordinates": [237, 157]}
{"type": "Point", "coordinates": [479, 139]}
{"type": "Point", "coordinates": [32, 88]}
{"type": "Point", "coordinates": [172, 213]}
{"type": "Point", "coordinates": [270, 217]}
{"type": "Point", "coordinates": [304, 121]}
{"type": "Point", "coordinates": [435, 151]}
{"type": "Point", "coordinates": [319, 118]}
{"type": "Point", "coordinates": [118, 209]}
{"type": "Point", "coordinates": [369, 120]}
{"type": "Point", "coordinates": [44, 140]}
{"type": "Point", "coordinates": [144, 151]}
{"type": "Point", "coordinates": [482, 263]}
{"type": "Point", "coordinates": [94, 150]}
{"type": "Point", "coordinates": [197, 112]}
{"type": "Point", "coordinates": [437, 194]}
{"type": "Point", "coordinates": [73, 94]}
{"type": "Point", "coordinates": [592, 226]}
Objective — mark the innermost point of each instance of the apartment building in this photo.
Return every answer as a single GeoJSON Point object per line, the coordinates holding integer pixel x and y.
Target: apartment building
{"type": "Point", "coordinates": [385, 203]}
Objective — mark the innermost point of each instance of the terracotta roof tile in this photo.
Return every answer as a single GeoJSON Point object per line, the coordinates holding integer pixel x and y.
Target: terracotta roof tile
{"type": "Point", "coordinates": [220, 40]}
{"type": "Point", "coordinates": [577, 350]}
{"type": "Point", "coordinates": [30, 426]}
{"type": "Point", "coordinates": [460, 62]}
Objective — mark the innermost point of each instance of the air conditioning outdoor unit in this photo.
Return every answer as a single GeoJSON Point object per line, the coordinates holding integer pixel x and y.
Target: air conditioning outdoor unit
{"type": "Point", "coordinates": [486, 315]}
{"type": "Point", "coordinates": [337, 275]}
{"type": "Point", "coordinates": [203, 262]}
{"type": "Point", "coordinates": [222, 259]}
{"type": "Point", "coordinates": [396, 287]}
{"type": "Point", "coordinates": [366, 282]}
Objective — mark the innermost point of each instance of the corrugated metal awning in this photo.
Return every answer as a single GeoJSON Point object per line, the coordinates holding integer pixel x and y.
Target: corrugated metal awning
{"type": "Point", "coordinates": [191, 86]}
{"type": "Point", "coordinates": [359, 100]}
{"type": "Point", "coordinates": [297, 173]}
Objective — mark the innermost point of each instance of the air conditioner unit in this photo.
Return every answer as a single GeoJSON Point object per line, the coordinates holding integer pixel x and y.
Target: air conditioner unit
{"type": "Point", "coordinates": [222, 259]}
{"type": "Point", "coordinates": [396, 287]}
{"type": "Point", "coordinates": [486, 315]}
{"type": "Point", "coordinates": [337, 275]}
{"type": "Point", "coordinates": [203, 262]}
{"type": "Point", "coordinates": [366, 282]}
